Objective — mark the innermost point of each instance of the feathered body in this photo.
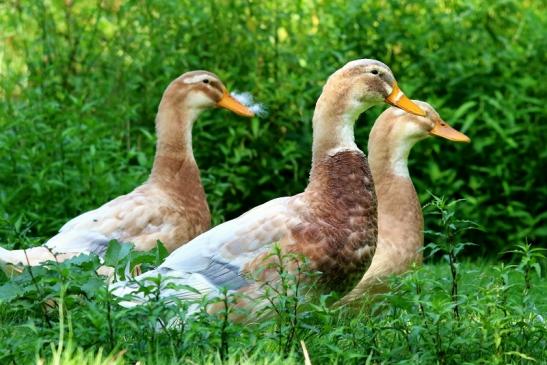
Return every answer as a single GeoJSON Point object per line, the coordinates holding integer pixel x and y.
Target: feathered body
{"type": "Point", "coordinates": [170, 206]}
{"type": "Point", "coordinates": [338, 227]}
{"type": "Point", "coordinates": [400, 218]}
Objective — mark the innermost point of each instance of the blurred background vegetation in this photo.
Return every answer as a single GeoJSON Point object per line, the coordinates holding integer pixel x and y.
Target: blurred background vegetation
{"type": "Point", "coordinates": [80, 82]}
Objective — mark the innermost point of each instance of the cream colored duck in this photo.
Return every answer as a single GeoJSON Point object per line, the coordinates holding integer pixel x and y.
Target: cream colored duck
{"type": "Point", "coordinates": [332, 223]}
{"type": "Point", "coordinates": [400, 219]}
{"type": "Point", "coordinates": [170, 206]}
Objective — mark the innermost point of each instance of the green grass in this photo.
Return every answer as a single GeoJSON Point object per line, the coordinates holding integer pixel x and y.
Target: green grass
{"type": "Point", "coordinates": [446, 312]}
{"type": "Point", "coordinates": [499, 322]}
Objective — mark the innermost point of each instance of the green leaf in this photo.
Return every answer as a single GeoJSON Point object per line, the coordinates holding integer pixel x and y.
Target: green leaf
{"type": "Point", "coordinates": [9, 291]}
{"type": "Point", "coordinates": [160, 253]}
{"type": "Point", "coordinates": [91, 286]}
{"type": "Point", "coordinates": [116, 253]}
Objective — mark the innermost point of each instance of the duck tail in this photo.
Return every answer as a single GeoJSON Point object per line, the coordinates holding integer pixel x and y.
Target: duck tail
{"type": "Point", "coordinates": [28, 257]}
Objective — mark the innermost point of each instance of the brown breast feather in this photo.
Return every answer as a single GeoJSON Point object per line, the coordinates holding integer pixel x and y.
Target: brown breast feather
{"type": "Point", "coordinates": [188, 210]}
{"type": "Point", "coordinates": [339, 230]}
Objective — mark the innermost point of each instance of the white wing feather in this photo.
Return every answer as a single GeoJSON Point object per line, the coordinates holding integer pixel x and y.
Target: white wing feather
{"type": "Point", "coordinates": [119, 219]}
{"type": "Point", "coordinates": [215, 258]}
{"type": "Point", "coordinates": [235, 242]}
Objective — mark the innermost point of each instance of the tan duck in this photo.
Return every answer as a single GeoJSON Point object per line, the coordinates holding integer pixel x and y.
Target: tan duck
{"type": "Point", "coordinates": [400, 219]}
{"type": "Point", "coordinates": [332, 223]}
{"type": "Point", "coordinates": [170, 206]}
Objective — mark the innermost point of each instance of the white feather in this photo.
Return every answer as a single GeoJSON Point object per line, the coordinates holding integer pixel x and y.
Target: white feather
{"type": "Point", "coordinates": [247, 99]}
{"type": "Point", "coordinates": [235, 243]}
{"type": "Point", "coordinates": [78, 242]}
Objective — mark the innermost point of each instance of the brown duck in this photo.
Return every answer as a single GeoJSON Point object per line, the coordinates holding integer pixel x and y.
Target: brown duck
{"type": "Point", "coordinates": [170, 206]}
{"type": "Point", "coordinates": [400, 219]}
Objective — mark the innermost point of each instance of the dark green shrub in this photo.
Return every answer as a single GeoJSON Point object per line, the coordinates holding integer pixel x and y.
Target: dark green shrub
{"type": "Point", "coordinates": [80, 84]}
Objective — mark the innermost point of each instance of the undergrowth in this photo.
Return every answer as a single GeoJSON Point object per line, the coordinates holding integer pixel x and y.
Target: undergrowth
{"type": "Point", "coordinates": [449, 312]}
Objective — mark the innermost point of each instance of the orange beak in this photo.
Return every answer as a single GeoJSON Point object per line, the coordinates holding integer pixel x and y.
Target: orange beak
{"type": "Point", "coordinates": [442, 129]}
{"type": "Point", "coordinates": [398, 98]}
{"type": "Point", "coordinates": [229, 102]}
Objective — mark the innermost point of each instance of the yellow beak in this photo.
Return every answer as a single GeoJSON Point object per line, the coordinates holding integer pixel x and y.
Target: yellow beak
{"type": "Point", "coordinates": [442, 129]}
{"type": "Point", "coordinates": [229, 102]}
{"type": "Point", "coordinates": [398, 98]}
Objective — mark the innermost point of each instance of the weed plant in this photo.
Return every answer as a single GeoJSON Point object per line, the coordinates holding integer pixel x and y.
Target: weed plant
{"type": "Point", "coordinates": [451, 312]}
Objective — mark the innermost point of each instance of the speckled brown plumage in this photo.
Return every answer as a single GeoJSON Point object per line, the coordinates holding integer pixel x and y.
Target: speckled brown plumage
{"type": "Point", "coordinates": [339, 233]}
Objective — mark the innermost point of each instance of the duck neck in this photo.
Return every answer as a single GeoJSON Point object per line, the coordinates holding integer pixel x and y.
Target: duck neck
{"type": "Point", "coordinates": [333, 124]}
{"type": "Point", "coordinates": [400, 219]}
{"type": "Point", "coordinates": [388, 157]}
{"type": "Point", "coordinates": [339, 168]}
{"type": "Point", "coordinates": [174, 146]}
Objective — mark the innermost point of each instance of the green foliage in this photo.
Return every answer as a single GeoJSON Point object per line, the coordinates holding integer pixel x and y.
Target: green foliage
{"type": "Point", "coordinates": [445, 242]}
{"type": "Point", "coordinates": [500, 321]}
{"type": "Point", "coordinates": [72, 356]}
{"type": "Point", "coordinates": [531, 259]}
{"type": "Point", "coordinates": [495, 315]}
{"type": "Point", "coordinates": [79, 86]}
{"type": "Point", "coordinates": [288, 299]}
{"type": "Point", "coordinates": [80, 83]}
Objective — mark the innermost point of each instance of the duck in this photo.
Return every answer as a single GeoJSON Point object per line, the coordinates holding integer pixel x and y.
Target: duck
{"type": "Point", "coordinates": [400, 218]}
{"type": "Point", "coordinates": [332, 225]}
{"type": "Point", "coordinates": [170, 206]}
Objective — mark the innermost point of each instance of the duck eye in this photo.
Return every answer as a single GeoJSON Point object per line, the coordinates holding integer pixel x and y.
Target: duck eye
{"type": "Point", "coordinates": [206, 81]}
{"type": "Point", "coordinates": [374, 72]}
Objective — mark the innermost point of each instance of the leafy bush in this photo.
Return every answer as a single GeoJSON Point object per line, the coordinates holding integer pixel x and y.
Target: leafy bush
{"type": "Point", "coordinates": [80, 83]}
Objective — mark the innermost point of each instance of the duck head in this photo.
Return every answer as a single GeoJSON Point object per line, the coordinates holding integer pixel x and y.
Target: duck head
{"type": "Point", "coordinates": [366, 82]}
{"type": "Point", "coordinates": [395, 132]}
{"type": "Point", "coordinates": [200, 90]}
{"type": "Point", "coordinates": [400, 125]}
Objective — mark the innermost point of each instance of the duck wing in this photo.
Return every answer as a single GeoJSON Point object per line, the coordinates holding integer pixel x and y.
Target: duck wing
{"type": "Point", "coordinates": [217, 258]}
{"type": "Point", "coordinates": [145, 211]}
